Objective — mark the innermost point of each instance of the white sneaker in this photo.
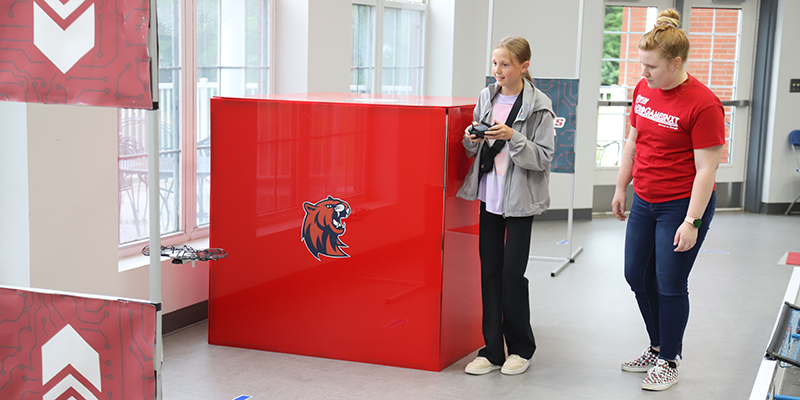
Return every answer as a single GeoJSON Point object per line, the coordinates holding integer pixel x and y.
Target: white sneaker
{"type": "Point", "coordinates": [515, 365]}
{"type": "Point", "coordinates": [480, 366]}
{"type": "Point", "coordinates": [660, 377]}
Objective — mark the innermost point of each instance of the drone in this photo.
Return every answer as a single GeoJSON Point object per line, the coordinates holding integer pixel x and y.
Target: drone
{"type": "Point", "coordinates": [182, 254]}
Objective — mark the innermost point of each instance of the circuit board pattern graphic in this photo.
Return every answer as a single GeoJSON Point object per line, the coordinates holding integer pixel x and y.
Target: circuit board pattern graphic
{"type": "Point", "coordinates": [122, 333]}
{"type": "Point", "coordinates": [115, 72]}
{"type": "Point", "coordinates": [564, 95]}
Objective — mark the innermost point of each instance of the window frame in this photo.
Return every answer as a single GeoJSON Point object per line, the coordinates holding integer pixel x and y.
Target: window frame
{"type": "Point", "coordinates": [188, 230]}
{"type": "Point", "coordinates": [377, 52]}
{"type": "Point", "coordinates": [734, 170]}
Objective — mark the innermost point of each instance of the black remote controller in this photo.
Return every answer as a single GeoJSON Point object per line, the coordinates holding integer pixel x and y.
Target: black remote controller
{"type": "Point", "coordinates": [479, 130]}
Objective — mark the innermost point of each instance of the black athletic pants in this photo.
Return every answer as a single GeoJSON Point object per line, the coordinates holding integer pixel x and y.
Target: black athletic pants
{"type": "Point", "coordinates": [504, 247]}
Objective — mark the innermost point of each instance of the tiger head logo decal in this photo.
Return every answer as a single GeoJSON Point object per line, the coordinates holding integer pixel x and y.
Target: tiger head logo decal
{"type": "Point", "coordinates": [322, 226]}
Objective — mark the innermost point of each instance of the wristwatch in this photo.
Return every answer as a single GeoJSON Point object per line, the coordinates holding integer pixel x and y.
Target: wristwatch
{"type": "Point", "coordinates": [695, 222]}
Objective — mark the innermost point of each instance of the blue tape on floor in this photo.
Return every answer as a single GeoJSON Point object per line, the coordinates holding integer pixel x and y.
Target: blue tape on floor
{"type": "Point", "coordinates": [243, 397]}
{"type": "Point", "coordinates": [562, 242]}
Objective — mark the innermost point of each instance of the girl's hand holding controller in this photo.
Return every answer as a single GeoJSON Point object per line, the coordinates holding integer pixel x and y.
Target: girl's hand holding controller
{"type": "Point", "coordinates": [476, 132]}
{"type": "Point", "coordinates": [499, 131]}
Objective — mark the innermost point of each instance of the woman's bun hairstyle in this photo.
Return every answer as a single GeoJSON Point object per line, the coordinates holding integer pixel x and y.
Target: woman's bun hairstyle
{"type": "Point", "coordinates": [667, 37]}
{"type": "Point", "coordinates": [668, 18]}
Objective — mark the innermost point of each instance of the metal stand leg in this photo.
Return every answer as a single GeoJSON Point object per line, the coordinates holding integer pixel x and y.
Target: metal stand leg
{"type": "Point", "coordinates": [792, 205]}
{"type": "Point", "coordinates": [154, 192]}
{"type": "Point", "coordinates": [571, 259]}
{"type": "Point", "coordinates": [155, 241]}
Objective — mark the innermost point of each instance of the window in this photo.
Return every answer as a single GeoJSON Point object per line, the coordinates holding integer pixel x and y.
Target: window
{"type": "Point", "coordinates": [231, 58]}
{"type": "Point", "coordinates": [399, 26]}
{"type": "Point", "coordinates": [133, 164]}
{"type": "Point", "coordinates": [714, 35]}
{"type": "Point", "coordinates": [623, 28]}
{"type": "Point", "coordinates": [361, 54]}
{"type": "Point", "coordinates": [402, 51]}
{"type": "Point", "coordinates": [714, 59]}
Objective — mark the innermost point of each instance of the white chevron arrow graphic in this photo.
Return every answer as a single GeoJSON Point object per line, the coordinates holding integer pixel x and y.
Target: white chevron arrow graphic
{"type": "Point", "coordinates": [66, 383]}
{"type": "Point", "coordinates": [64, 10]}
{"type": "Point", "coordinates": [67, 347]}
{"type": "Point", "coordinates": [64, 47]}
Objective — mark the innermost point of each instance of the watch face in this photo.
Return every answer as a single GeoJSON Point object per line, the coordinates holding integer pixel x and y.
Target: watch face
{"type": "Point", "coordinates": [698, 222]}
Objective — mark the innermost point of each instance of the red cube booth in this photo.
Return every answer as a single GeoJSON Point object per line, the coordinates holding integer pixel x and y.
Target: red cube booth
{"type": "Point", "coordinates": [344, 236]}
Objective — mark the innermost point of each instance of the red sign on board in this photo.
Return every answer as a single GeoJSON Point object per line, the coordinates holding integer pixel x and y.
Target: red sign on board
{"type": "Point", "coordinates": [56, 345]}
{"type": "Point", "coordinates": [90, 52]}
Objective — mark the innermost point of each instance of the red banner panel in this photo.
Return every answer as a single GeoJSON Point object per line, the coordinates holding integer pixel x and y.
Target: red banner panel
{"type": "Point", "coordinates": [53, 346]}
{"type": "Point", "coordinates": [90, 52]}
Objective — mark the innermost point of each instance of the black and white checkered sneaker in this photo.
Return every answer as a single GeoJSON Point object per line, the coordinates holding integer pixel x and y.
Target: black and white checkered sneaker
{"type": "Point", "coordinates": [662, 376]}
{"type": "Point", "coordinates": [642, 363]}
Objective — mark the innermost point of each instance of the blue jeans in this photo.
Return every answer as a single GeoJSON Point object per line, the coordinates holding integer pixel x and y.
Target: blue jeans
{"type": "Point", "coordinates": [657, 274]}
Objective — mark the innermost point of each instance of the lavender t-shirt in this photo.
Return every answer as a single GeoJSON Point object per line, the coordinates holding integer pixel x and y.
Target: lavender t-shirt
{"type": "Point", "coordinates": [492, 187]}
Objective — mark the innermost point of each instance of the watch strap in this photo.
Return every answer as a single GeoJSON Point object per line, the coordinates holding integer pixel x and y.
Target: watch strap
{"type": "Point", "coordinates": [695, 222]}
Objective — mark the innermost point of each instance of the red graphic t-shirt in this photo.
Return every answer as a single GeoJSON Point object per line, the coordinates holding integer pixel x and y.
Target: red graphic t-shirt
{"type": "Point", "coordinates": [670, 125]}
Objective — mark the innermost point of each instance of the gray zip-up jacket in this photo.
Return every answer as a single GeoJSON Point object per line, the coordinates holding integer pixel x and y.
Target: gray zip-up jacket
{"type": "Point", "coordinates": [530, 147]}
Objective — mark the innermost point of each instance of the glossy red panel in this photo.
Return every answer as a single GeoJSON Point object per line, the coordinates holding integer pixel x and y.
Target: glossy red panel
{"type": "Point", "coordinates": [385, 286]}
{"type": "Point", "coordinates": [461, 271]}
{"type": "Point", "coordinates": [368, 98]}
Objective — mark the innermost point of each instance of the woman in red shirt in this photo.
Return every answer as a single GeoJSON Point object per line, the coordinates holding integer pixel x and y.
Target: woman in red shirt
{"type": "Point", "coordinates": [672, 154]}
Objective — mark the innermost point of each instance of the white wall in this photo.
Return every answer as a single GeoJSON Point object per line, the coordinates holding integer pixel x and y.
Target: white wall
{"type": "Point", "coordinates": [14, 231]}
{"type": "Point", "coordinates": [312, 46]}
{"type": "Point", "coordinates": [551, 28]}
{"type": "Point", "coordinates": [781, 183]}
{"type": "Point", "coordinates": [440, 35]}
{"type": "Point", "coordinates": [329, 45]}
{"type": "Point", "coordinates": [72, 175]}
{"type": "Point", "coordinates": [291, 46]}
{"type": "Point", "coordinates": [455, 61]}
{"type": "Point", "coordinates": [469, 51]}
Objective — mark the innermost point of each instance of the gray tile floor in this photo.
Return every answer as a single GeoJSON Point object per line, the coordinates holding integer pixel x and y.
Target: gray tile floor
{"type": "Point", "coordinates": [585, 321]}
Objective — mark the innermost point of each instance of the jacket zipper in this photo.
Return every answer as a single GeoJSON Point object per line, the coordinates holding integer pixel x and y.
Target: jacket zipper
{"type": "Point", "coordinates": [509, 172]}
